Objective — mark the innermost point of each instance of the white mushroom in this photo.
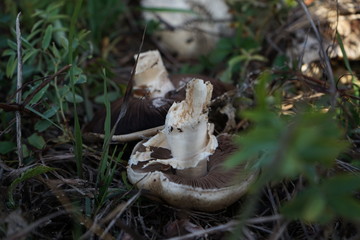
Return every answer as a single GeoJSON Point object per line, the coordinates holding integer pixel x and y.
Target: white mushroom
{"type": "Point", "coordinates": [151, 75]}
{"type": "Point", "coordinates": [147, 105]}
{"type": "Point", "coordinates": [182, 164]}
{"type": "Point", "coordinates": [189, 28]}
{"type": "Point", "coordinates": [153, 94]}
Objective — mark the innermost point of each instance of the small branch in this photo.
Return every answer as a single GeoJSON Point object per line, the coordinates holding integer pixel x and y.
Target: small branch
{"type": "Point", "coordinates": [329, 71]}
{"type": "Point", "coordinates": [18, 94]}
{"type": "Point", "coordinates": [31, 227]}
{"type": "Point", "coordinates": [228, 227]}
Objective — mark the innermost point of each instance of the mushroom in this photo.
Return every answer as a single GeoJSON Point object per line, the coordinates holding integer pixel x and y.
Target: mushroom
{"type": "Point", "coordinates": [151, 76]}
{"type": "Point", "coordinates": [191, 31]}
{"type": "Point", "coordinates": [147, 104]}
{"type": "Point", "coordinates": [182, 164]}
{"type": "Point", "coordinates": [153, 93]}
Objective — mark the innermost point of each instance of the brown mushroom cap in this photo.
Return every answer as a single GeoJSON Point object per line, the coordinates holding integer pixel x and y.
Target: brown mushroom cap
{"type": "Point", "coordinates": [147, 113]}
{"type": "Point", "coordinates": [143, 113]}
{"type": "Point", "coordinates": [182, 164]}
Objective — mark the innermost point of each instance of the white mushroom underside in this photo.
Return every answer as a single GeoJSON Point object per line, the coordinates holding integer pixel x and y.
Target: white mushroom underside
{"type": "Point", "coordinates": [187, 147]}
{"type": "Point", "coordinates": [188, 196]}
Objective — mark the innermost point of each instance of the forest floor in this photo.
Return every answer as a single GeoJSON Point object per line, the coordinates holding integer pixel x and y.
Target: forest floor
{"type": "Point", "coordinates": [65, 187]}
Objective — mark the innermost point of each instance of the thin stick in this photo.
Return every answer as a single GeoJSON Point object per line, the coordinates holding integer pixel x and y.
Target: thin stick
{"type": "Point", "coordinates": [328, 68]}
{"type": "Point", "coordinates": [18, 87]}
{"type": "Point", "coordinates": [229, 226]}
{"type": "Point", "coordinates": [29, 228]}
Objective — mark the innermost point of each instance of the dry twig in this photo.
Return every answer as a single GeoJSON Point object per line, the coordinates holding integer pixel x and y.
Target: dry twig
{"type": "Point", "coordinates": [18, 94]}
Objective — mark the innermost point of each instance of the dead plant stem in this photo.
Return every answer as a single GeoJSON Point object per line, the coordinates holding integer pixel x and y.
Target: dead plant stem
{"type": "Point", "coordinates": [19, 92]}
{"type": "Point", "coordinates": [328, 68]}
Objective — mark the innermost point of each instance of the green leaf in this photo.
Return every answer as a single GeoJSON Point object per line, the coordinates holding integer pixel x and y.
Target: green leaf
{"type": "Point", "coordinates": [43, 117]}
{"type": "Point", "coordinates": [47, 37]}
{"type": "Point", "coordinates": [346, 206]}
{"type": "Point", "coordinates": [34, 34]}
{"type": "Point", "coordinates": [38, 96]}
{"type": "Point", "coordinates": [342, 185]}
{"type": "Point", "coordinates": [80, 77]}
{"type": "Point", "coordinates": [36, 141]}
{"type": "Point", "coordinates": [36, 25]}
{"type": "Point", "coordinates": [170, 10]}
{"type": "Point", "coordinates": [6, 147]}
{"type": "Point", "coordinates": [26, 43]}
{"type": "Point", "coordinates": [29, 54]}
{"type": "Point", "coordinates": [42, 125]}
{"type": "Point", "coordinates": [8, 52]}
{"type": "Point", "coordinates": [30, 173]}
{"type": "Point", "coordinates": [11, 66]}
{"type": "Point", "coordinates": [111, 97]}
{"type": "Point", "coordinates": [342, 48]}
{"type": "Point", "coordinates": [26, 152]}
{"type": "Point", "coordinates": [54, 7]}
{"type": "Point", "coordinates": [308, 205]}
{"type": "Point", "coordinates": [55, 52]}
{"type": "Point", "coordinates": [12, 45]}
{"type": "Point", "coordinates": [70, 98]}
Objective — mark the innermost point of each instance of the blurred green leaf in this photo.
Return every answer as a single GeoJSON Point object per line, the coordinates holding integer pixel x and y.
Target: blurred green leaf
{"type": "Point", "coordinates": [8, 52]}
{"type": "Point", "coordinates": [308, 205]}
{"type": "Point", "coordinates": [39, 95]}
{"type": "Point", "coordinates": [37, 25]}
{"type": "Point", "coordinates": [342, 185]}
{"type": "Point", "coordinates": [70, 98]}
{"type": "Point", "coordinates": [47, 37]}
{"type": "Point", "coordinates": [25, 150]}
{"type": "Point", "coordinates": [321, 202]}
{"type": "Point", "coordinates": [345, 206]}
{"type": "Point", "coordinates": [6, 147]}
{"type": "Point", "coordinates": [12, 45]}
{"type": "Point", "coordinates": [30, 173]}
{"type": "Point", "coordinates": [29, 54]}
{"type": "Point", "coordinates": [11, 66]}
{"type": "Point", "coordinates": [42, 125]}
{"type": "Point", "coordinates": [36, 141]}
{"type": "Point", "coordinates": [111, 96]}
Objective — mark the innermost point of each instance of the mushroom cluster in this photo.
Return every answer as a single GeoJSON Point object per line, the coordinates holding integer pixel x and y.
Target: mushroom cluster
{"type": "Point", "coordinates": [183, 163]}
{"type": "Point", "coordinates": [153, 93]}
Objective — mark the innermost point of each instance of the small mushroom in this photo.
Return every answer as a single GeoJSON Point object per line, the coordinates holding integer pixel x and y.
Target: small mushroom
{"type": "Point", "coordinates": [193, 27]}
{"type": "Point", "coordinates": [183, 163]}
{"type": "Point", "coordinates": [151, 75]}
{"type": "Point", "coordinates": [147, 104]}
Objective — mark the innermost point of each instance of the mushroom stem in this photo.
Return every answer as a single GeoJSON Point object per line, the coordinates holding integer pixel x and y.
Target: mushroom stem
{"type": "Point", "coordinates": [151, 75]}
{"type": "Point", "coordinates": [188, 132]}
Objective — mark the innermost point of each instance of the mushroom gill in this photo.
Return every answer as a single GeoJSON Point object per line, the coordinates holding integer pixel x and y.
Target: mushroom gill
{"type": "Point", "coordinates": [183, 163]}
{"type": "Point", "coordinates": [153, 93]}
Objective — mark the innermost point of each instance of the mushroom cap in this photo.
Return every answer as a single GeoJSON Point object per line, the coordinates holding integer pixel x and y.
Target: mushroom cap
{"type": "Point", "coordinates": [216, 190]}
{"type": "Point", "coordinates": [145, 113]}
{"type": "Point", "coordinates": [142, 114]}
{"type": "Point", "coordinates": [182, 164]}
{"type": "Point", "coordinates": [192, 33]}
{"type": "Point", "coordinates": [151, 75]}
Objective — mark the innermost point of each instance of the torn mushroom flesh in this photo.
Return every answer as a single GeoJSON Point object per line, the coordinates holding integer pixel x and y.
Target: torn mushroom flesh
{"type": "Point", "coordinates": [182, 164]}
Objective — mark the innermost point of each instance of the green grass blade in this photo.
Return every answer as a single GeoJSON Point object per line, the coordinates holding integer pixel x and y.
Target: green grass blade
{"type": "Point", "coordinates": [346, 60]}
{"type": "Point", "coordinates": [77, 129]}
{"type": "Point", "coordinates": [44, 117]}
{"type": "Point", "coordinates": [30, 173]}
